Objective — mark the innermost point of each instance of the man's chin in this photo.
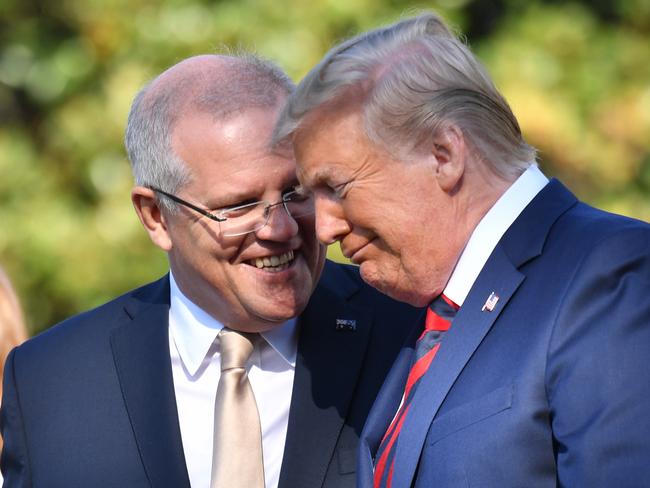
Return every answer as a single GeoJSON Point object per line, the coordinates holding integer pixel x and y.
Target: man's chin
{"type": "Point", "coordinates": [274, 313]}
{"type": "Point", "coordinates": [392, 289]}
{"type": "Point", "coordinates": [370, 275]}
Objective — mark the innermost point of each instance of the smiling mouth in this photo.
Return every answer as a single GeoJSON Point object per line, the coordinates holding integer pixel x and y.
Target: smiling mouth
{"type": "Point", "coordinates": [353, 255]}
{"type": "Point", "coordinates": [273, 263]}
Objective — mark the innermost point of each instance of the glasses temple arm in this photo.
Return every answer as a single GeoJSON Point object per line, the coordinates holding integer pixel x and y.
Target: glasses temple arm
{"type": "Point", "coordinates": [187, 204]}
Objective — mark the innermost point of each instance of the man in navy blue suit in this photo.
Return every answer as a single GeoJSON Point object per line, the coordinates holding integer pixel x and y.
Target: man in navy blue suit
{"type": "Point", "coordinates": [124, 395]}
{"type": "Point", "coordinates": [531, 368]}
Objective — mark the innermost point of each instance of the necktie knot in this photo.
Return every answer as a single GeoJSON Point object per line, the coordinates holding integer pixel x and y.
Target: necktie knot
{"type": "Point", "coordinates": [440, 314]}
{"type": "Point", "coordinates": [236, 348]}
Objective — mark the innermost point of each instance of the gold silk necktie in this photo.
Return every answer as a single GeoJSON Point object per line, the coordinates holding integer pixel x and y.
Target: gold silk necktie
{"type": "Point", "coordinates": [237, 451]}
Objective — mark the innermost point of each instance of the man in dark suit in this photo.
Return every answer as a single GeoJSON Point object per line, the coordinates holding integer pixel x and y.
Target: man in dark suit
{"type": "Point", "coordinates": [124, 395]}
{"type": "Point", "coordinates": [531, 368]}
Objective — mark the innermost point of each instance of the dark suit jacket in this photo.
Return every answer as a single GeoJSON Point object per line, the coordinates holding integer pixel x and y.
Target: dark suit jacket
{"type": "Point", "coordinates": [552, 387]}
{"type": "Point", "coordinates": [90, 402]}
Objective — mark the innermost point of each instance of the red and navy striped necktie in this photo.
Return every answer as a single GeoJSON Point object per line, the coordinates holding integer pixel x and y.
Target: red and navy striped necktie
{"type": "Point", "coordinates": [438, 320]}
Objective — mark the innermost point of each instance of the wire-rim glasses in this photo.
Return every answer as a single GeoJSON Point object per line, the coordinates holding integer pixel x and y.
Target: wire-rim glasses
{"type": "Point", "coordinates": [251, 217]}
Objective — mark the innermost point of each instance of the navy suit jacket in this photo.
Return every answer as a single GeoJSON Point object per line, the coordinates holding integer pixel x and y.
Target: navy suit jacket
{"type": "Point", "coordinates": [90, 402]}
{"type": "Point", "coordinates": [551, 387]}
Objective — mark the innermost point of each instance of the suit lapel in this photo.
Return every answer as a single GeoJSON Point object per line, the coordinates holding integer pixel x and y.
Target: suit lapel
{"type": "Point", "coordinates": [384, 409]}
{"type": "Point", "coordinates": [521, 243]}
{"type": "Point", "coordinates": [469, 328]}
{"type": "Point", "coordinates": [141, 354]}
{"type": "Point", "coordinates": [327, 368]}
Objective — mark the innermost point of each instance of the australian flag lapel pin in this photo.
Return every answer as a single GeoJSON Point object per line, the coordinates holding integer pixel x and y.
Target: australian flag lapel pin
{"type": "Point", "coordinates": [490, 303]}
{"type": "Point", "coordinates": [346, 324]}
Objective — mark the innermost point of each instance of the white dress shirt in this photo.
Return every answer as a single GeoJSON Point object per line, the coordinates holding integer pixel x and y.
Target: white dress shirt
{"type": "Point", "coordinates": [489, 231]}
{"type": "Point", "coordinates": [196, 368]}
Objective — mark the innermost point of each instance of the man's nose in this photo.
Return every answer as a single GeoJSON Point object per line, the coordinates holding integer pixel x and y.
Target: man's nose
{"type": "Point", "coordinates": [331, 224]}
{"type": "Point", "coordinates": [280, 226]}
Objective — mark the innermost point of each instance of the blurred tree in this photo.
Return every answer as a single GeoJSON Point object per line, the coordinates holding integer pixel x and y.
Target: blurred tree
{"type": "Point", "coordinates": [577, 74]}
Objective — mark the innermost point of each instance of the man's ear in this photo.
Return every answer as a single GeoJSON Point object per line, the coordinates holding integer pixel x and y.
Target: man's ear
{"type": "Point", "coordinates": [450, 150]}
{"type": "Point", "coordinates": [151, 216]}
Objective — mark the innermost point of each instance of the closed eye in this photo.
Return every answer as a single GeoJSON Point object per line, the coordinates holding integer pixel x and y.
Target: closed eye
{"type": "Point", "coordinates": [236, 206]}
{"type": "Point", "coordinates": [238, 210]}
{"type": "Point", "coordinates": [341, 189]}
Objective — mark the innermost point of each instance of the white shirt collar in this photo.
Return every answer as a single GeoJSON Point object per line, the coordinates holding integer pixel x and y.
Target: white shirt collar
{"type": "Point", "coordinates": [489, 231]}
{"type": "Point", "coordinates": [194, 331]}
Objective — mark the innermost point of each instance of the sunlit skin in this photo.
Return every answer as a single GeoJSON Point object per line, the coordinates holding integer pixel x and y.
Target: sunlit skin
{"type": "Point", "coordinates": [404, 222]}
{"type": "Point", "coordinates": [231, 164]}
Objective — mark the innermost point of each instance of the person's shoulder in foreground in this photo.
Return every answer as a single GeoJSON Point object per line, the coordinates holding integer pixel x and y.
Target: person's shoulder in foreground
{"type": "Point", "coordinates": [59, 384]}
{"type": "Point", "coordinates": [86, 327]}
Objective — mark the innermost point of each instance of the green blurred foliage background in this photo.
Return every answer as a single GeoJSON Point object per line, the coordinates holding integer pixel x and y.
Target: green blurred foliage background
{"type": "Point", "coordinates": [577, 75]}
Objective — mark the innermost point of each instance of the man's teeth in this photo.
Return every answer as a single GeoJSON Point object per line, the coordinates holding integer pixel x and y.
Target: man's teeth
{"type": "Point", "coordinates": [275, 261]}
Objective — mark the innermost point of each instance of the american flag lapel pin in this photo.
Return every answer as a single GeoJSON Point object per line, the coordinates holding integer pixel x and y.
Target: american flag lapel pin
{"type": "Point", "coordinates": [346, 324]}
{"type": "Point", "coordinates": [490, 303]}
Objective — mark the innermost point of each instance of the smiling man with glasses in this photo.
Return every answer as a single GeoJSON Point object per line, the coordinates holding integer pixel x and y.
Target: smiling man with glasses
{"type": "Point", "coordinates": [241, 368]}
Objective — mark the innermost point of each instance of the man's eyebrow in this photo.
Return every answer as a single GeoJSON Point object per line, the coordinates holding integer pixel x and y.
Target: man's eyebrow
{"type": "Point", "coordinates": [319, 176]}
{"type": "Point", "coordinates": [229, 199]}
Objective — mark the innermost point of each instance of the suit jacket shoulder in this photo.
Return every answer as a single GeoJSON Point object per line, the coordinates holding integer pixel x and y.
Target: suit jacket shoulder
{"type": "Point", "coordinates": [84, 327]}
{"type": "Point", "coordinates": [77, 402]}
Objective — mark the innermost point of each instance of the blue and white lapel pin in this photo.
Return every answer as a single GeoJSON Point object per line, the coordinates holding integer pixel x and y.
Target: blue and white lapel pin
{"type": "Point", "coordinates": [346, 324]}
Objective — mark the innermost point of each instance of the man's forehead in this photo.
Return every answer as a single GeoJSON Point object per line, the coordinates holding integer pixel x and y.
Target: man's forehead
{"type": "Point", "coordinates": [234, 155]}
{"type": "Point", "coordinates": [250, 182]}
{"type": "Point", "coordinates": [283, 147]}
{"type": "Point", "coordinates": [324, 136]}
{"type": "Point", "coordinates": [347, 103]}
{"type": "Point", "coordinates": [248, 129]}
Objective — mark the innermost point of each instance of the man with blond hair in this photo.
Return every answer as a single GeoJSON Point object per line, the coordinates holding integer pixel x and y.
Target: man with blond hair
{"type": "Point", "coordinates": [531, 368]}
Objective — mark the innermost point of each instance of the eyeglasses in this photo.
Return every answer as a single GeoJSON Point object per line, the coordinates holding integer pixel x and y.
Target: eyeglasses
{"type": "Point", "coordinates": [244, 219]}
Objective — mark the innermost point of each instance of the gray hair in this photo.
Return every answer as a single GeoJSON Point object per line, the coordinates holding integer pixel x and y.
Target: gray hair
{"type": "Point", "coordinates": [414, 78]}
{"type": "Point", "coordinates": [220, 85]}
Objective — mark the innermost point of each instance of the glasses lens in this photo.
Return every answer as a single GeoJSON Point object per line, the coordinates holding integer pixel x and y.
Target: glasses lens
{"type": "Point", "coordinates": [244, 219]}
{"type": "Point", "coordinates": [252, 217]}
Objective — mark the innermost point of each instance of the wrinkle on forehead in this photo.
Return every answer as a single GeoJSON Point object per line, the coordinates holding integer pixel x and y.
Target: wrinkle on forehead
{"type": "Point", "coordinates": [331, 139]}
